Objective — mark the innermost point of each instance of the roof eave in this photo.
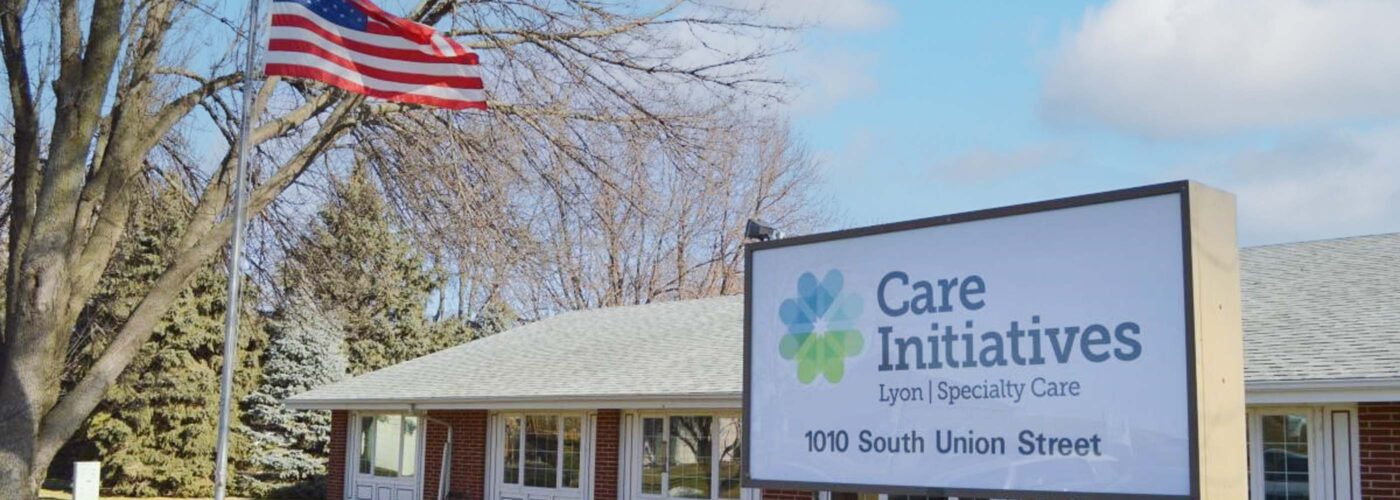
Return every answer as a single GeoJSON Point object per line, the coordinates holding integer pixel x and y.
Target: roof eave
{"type": "Point", "coordinates": [1338, 390]}
{"type": "Point", "coordinates": [716, 400]}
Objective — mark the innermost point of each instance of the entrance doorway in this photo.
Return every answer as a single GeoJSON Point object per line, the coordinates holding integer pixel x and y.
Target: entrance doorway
{"type": "Point", "coordinates": [386, 457]}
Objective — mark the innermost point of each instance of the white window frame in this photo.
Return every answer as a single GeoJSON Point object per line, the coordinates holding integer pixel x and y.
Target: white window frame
{"type": "Point", "coordinates": [1333, 450]}
{"type": "Point", "coordinates": [496, 488]}
{"type": "Point", "coordinates": [631, 462]}
{"type": "Point", "coordinates": [354, 444]}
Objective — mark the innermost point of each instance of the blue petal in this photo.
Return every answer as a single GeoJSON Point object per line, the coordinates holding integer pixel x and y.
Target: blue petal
{"type": "Point", "coordinates": [833, 282]}
{"type": "Point", "coordinates": [807, 286]}
{"type": "Point", "coordinates": [817, 297]}
{"type": "Point", "coordinates": [797, 318]}
{"type": "Point", "coordinates": [844, 312]}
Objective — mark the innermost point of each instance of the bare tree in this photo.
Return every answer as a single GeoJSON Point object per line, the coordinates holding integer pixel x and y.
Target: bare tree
{"type": "Point", "coordinates": [95, 86]}
{"type": "Point", "coordinates": [635, 216]}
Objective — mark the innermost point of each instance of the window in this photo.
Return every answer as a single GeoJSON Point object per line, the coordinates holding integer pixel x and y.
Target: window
{"type": "Point", "coordinates": [653, 455]}
{"type": "Point", "coordinates": [542, 451]}
{"type": "Point", "coordinates": [1285, 461]}
{"type": "Point", "coordinates": [690, 456]}
{"type": "Point", "coordinates": [690, 468]}
{"type": "Point", "coordinates": [729, 471]}
{"type": "Point", "coordinates": [388, 445]}
{"type": "Point", "coordinates": [573, 451]}
{"type": "Point", "coordinates": [512, 451]}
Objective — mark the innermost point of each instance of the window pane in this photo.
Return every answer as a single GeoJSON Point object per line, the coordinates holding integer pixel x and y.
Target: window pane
{"type": "Point", "coordinates": [410, 446]}
{"type": "Point", "coordinates": [366, 443]}
{"type": "Point", "coordinates": [541, 450]}
{"type": "Point", "coordinates": [573, 450]}
{"type": "Point", "coordinates": [729, 457]}
{"type": "Point", "coordinates": [690, 446]}
{"type": "Point", "coordinates": [512, 451]}
{"type": "Point", "coordinates": [1285, 461]}
{"type": "Point", "coordinates": [387, 430]}
{"type": "Point", "coordinates": [653, 454]}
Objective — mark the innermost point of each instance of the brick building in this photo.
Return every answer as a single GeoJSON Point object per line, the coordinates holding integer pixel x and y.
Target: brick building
{"type": "Point", "coordinates": [644, 402]}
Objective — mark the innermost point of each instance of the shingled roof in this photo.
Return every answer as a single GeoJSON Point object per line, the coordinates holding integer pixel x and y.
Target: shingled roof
{"type": "Point", "coordinates": [664, 351]}
{"type": "Point", "coordinates": [1322, 310]}
{"type": "Point", "coordinates": [1314, 312]}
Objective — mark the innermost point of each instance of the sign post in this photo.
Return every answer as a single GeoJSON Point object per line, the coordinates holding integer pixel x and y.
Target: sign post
{"type": "Point", "coordinates": [1086, 347]}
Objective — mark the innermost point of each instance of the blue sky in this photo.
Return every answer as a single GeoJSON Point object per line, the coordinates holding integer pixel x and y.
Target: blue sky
{"type": "Point", "coordinates": [925, 108]}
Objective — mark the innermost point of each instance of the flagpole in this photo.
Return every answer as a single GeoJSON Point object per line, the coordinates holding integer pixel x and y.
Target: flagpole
{"type": "Point", "coordinates": [235, 254]}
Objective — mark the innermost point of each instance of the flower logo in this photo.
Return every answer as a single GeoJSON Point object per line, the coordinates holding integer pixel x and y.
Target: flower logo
{"type": "Point", "coordinates": [821, 331]}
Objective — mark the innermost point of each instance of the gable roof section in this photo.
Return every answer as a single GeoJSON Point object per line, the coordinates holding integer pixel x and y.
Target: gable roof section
{"type": "Point", "coordinates": [1318, 315]}
{"type": "Point", "coordinates": [1325, 310]}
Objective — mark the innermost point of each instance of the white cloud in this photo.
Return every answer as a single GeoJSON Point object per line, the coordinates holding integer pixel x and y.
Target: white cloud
{"type": "Point", "coordinates": [1321, 186]}
{"type": "Point", "coordinates": [1172, 68]}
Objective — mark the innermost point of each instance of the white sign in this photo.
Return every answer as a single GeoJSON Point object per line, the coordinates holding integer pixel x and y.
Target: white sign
{"type": "Point", "coordinates": [87, 480]}
{"type": "Point", "coordinates": [1033, 349]}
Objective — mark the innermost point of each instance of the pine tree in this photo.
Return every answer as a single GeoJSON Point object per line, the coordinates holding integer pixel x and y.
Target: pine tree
{"type": "Point", "coordinates": [155, 431]}
{"type": "Point", "coordinates": [304, 351]}
{"type": "Point", "coordinates": [357, 266]}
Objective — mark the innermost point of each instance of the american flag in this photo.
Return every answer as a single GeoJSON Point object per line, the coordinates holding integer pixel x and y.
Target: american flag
{"type": "Point", "coordinates": [355, 45]}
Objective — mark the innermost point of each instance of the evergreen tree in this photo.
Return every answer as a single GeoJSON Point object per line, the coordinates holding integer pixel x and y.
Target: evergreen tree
{"type": "Point", "coordinates": [357, 266]}
{"type": "Point", "coordinates": [304, 351]}
{"type": "Point", "coordinates": [155, 431]}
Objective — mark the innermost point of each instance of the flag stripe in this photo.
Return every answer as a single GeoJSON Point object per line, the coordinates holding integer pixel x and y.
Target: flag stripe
{"type": "Point", "coordinates": [352, 86]}
{"type": "Point", "coordinates": [427, 74]}
{"type": "Point", "coordinates": [310, 61]}
{"type": "Point", "coordinates": [287, 26]}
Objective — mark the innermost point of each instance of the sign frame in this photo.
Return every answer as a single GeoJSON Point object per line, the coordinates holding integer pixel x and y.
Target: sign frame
{"type": "Point", "coordinates": [1182, 189]}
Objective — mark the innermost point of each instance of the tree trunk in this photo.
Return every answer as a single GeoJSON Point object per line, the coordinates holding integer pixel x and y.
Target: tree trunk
{"type": "Point", "coordinates": [17, 434]}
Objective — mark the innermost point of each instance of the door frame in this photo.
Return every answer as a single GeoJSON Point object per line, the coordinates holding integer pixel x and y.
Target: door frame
{"type": "Point", "coordinates": [1327, 449]}
{"type": "Point", "coordinates": [353, 446]}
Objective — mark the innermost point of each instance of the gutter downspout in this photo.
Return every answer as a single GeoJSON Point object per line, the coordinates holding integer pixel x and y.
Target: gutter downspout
{"type": "Point", "coordinates": [446, 468]}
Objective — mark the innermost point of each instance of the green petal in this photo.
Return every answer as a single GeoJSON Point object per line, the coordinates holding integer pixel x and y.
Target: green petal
{"type": "Point", "coordinates": [851, 342]}
{"type": "Point", "coordinates": [822, 349]}
{"type": "Point", "coordinates": [790, 344]}
{"type": "Point", "coordinates": [834, 370]}
{"type": "Point", "coordinates": [804, 350]}
{"type": "Point", "coordinates": [806, 371]}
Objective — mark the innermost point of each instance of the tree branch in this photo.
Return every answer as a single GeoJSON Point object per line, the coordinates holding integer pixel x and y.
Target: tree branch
{"type": "Point", "coordinates": [532, 36]}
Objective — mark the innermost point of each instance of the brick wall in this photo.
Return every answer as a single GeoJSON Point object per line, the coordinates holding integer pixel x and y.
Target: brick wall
{"type": "Point", "coordinates": [467, 477]}
{"type": "Point", "coordinates": [605, 454]}
{"type": "Point", "coordinates": [335, 466]}
{"type": "Point", "coordinates": [1380, 450]}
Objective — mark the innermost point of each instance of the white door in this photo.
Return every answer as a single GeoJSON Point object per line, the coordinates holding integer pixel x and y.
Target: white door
{"type": "Point", "coordinates": [1303, 452]}
{"type": "Point", "coordinates": [386, 457]}
{"type": "Point", "coordinates": [541, 456]}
